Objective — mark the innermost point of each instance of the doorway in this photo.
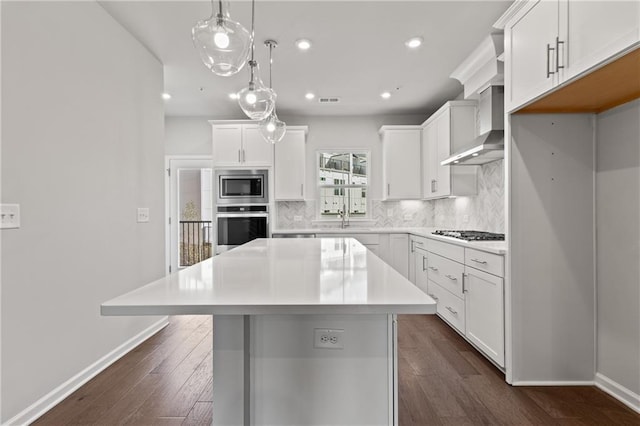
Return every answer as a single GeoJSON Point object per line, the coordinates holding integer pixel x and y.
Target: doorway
{"type": "Point", "coordinates": [189, 195]}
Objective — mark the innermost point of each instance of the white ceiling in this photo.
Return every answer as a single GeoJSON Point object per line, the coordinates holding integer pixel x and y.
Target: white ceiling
{"type": "Point", "coordinates": [358, 52]}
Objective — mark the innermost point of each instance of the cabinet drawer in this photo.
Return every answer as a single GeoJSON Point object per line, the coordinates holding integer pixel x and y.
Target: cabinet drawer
{"type": "Point", "coordinates": [488, 262]}
{"type": "Point", "coordinates": [446, 273]}
{"type": "Point", "coordinates": [449, 307]}
{"type": "Point", "coordinates": [417, 243]}
{"type": "Point", "coordinates": [450, 251]}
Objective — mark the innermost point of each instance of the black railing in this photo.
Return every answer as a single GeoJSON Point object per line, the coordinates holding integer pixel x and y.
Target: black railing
{"type": "Point", "coordinates": [195, 241]}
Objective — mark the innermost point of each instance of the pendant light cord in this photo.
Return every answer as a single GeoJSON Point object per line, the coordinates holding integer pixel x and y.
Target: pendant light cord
{"type": "Point", "coordinates": [270, 63]}
{"type": "Point", "coordinates": [252, 63]}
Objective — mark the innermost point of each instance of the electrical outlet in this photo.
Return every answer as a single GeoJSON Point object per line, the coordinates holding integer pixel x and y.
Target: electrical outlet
{"type": "Point", "coordinates": [143, 214]}
{"type": "Point", "coordinates": [297, 218]}
{"type": "Point", "coordinates": [465, 218]}
{"type": "Point", "coordinates": [408, 216]}
{"type": "Point", "coordinates": [328, 339]}
{"type": "Point", "coordinates": [9, 216]}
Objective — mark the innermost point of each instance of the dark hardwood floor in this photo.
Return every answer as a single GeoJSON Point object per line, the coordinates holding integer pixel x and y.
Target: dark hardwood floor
{"type": "Point", "coordinates": [442, 381]}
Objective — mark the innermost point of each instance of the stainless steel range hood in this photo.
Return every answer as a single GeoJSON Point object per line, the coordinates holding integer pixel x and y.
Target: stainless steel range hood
{"type": "Point", "coordinates": [489, 146]}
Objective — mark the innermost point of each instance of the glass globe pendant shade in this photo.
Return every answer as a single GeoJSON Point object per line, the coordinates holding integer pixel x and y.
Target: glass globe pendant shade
{"type": "Point", "coordinates": [256, 100]}
{"type": "Point", "coordinates": [272, 129]}
{"type": "Point", "coordinates": [223, 44]}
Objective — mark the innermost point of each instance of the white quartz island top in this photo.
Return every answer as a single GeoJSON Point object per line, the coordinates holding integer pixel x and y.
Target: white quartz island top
{"type": "Point", "coordinates": [280, 276]}
{"type": "Point", "coordinates": [497, 247]}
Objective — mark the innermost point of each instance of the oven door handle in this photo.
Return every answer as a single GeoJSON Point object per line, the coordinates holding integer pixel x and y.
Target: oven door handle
{"type": "Point", "coordinates": [242, 215]}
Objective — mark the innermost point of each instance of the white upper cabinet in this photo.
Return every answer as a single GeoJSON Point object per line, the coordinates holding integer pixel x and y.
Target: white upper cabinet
{"type": "Point", "coordinates": [445, 132]}
{"type": "Point", "coordinates": [550, 42]}
{"type": "Point", "coordinates": [240, 145]}
{"type": "Point", "coordinates": [401, 169]}
{"type": "Point", "coordinates": [289, 165]}
{"type": "Point", "coordinates": [530, 41]}
{"type": "Point", "coordinates": [596, 31]}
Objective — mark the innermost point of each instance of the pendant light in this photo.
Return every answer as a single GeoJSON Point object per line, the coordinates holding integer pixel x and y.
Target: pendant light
{"type": "Point", "coordinates": [223, 44]}
{"type": "Point", "coordinates": [271, 128]}
{"type": "Point", "coordinates": [256, 100]}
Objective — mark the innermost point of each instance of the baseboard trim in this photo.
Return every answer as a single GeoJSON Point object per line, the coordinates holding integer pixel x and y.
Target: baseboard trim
{"type": "Point", "coordinates": [47, 402]}
{"type": "Point", "coordinates": [554, 383]}
{"type": "Point", "coordinates": [619, 392]}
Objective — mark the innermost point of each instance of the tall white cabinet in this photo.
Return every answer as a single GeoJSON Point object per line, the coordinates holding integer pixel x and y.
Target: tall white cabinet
{"type": "Point", "coordinates": [445, 132]}
{"type": "Point", "coordinates": [401, 162]}
{"type": "Point", "coordinates": [289, 165]}
{"type": "Point", "coordinates": [552, 48]}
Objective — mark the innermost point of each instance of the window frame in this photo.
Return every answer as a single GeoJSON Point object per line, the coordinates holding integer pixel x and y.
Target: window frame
{"type": "Point", "coordinates": [344, 187]}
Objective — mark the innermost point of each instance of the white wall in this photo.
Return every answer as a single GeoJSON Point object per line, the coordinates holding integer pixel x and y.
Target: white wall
{"type": "Point", "coordinates": [618, 245]}
{"type": "Point", "coordinates": [187, 136]}
{"type": "Point", "coordinates": [81, 149]}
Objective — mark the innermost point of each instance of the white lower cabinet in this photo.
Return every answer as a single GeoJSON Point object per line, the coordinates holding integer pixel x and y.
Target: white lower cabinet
{"type": "Point", "coordinates": [449, 307]}
{"type": "Point", "coordinates": [484, 312]}
{"type": "Point", "coordinates": [471, 300]}
{"type": "Point", "coordinates": [421, 262]}
{"type": "Point", "coordinates": [398, 255]}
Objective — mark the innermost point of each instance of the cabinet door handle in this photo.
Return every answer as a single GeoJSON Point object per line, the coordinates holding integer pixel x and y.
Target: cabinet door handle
{"type": "Point", "coordinates": [424, 259]}
{"type": "Point", "coordinates": [451, 277]}
{"type": "Point", "coordinates": [433, 185]}
{"type": "Point", "coordinates": [558, 43]}
{"type": "Point", "coordinates": [549, 50]}
{"type": "Point", "coordinates": [388, 189]}
{"type": "Point", "coordinates": [433, 297]}
{"type": "Point", "coordinates": [302, 189]}
{"type": "Point", "coordinates": [239, 157]}
{"type": "Point", "coordinates": [433, 268]}
{"type": "Point", "coordinates": [482, 262]}
{"type": "Point", "coordinates": [243, 157]}
{"type": "Point", "coordinates": [464, 287]}
{"type": "Point", "coordinates": [453, 311]}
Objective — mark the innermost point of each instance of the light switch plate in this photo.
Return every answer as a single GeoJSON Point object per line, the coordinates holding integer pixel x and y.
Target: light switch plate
{"type": "Point", "coordinates": [143, 214]}
{"type": "Point", "coordinates": [9, 216]}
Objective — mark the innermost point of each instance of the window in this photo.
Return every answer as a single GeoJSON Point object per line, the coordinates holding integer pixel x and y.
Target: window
{"type": "Point", "coordinates": [343, 182]}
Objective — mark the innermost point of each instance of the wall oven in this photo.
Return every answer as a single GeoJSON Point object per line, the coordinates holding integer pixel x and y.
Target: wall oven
{"type": "Point", "coordinates": [240, 224]}
{"type": "Point", "coordinates": [242, 186]}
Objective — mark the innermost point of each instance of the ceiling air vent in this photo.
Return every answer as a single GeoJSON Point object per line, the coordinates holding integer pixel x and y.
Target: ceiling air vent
{"type": "Point", "coordinates": [331, 100]}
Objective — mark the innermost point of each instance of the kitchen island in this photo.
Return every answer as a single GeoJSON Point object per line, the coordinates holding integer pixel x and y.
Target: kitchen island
{"type": "Point", "coordinates": [304, 329]}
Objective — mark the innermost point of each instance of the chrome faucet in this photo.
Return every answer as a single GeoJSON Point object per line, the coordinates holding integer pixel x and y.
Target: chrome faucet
{"type": "Point", "coordinates": [343, 215]}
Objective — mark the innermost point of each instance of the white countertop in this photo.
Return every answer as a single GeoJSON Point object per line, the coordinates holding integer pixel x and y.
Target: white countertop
{"type": "Point", "coordinates": [280, 276]}
{"type": "Point", "coordinates": [496, 247]}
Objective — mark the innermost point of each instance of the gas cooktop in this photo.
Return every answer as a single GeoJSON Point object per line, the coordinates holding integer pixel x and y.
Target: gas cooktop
{"type": "Point", "coordinates": [470, 235]}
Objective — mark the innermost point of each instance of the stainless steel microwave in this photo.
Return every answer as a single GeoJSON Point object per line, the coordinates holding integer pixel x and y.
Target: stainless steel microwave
{"type": "Point", "coordinates": [242, 186]}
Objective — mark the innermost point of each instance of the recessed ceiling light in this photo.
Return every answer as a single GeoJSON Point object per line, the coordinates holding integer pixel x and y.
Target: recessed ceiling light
{"type": "Point", "coordinates": [166, 96]}
{"type": "Point", "coordinates": [309, 96]}
{"type": "Point", "coordinates": [303, 44]}
{"type": "Point", "coordinates": [385, 95]}
{"type": "Point", "coordinates": [456, 162]}
{"type": "Point", "coordinates": [475, 154]}
{"type": "Point", "coordinates": [233, 96]}
{"type": "Point", "coordinates": [414, 42]}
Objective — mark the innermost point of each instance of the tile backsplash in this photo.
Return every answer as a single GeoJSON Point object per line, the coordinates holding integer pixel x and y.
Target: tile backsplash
{"type": "Point", "coordinates": [387, 214]}
{"type": "Point", "coordinates": [484, 212]}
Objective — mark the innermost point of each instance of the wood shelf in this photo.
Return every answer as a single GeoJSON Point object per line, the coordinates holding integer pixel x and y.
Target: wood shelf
{"type": "Point", "coordinates": [614, 84]}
